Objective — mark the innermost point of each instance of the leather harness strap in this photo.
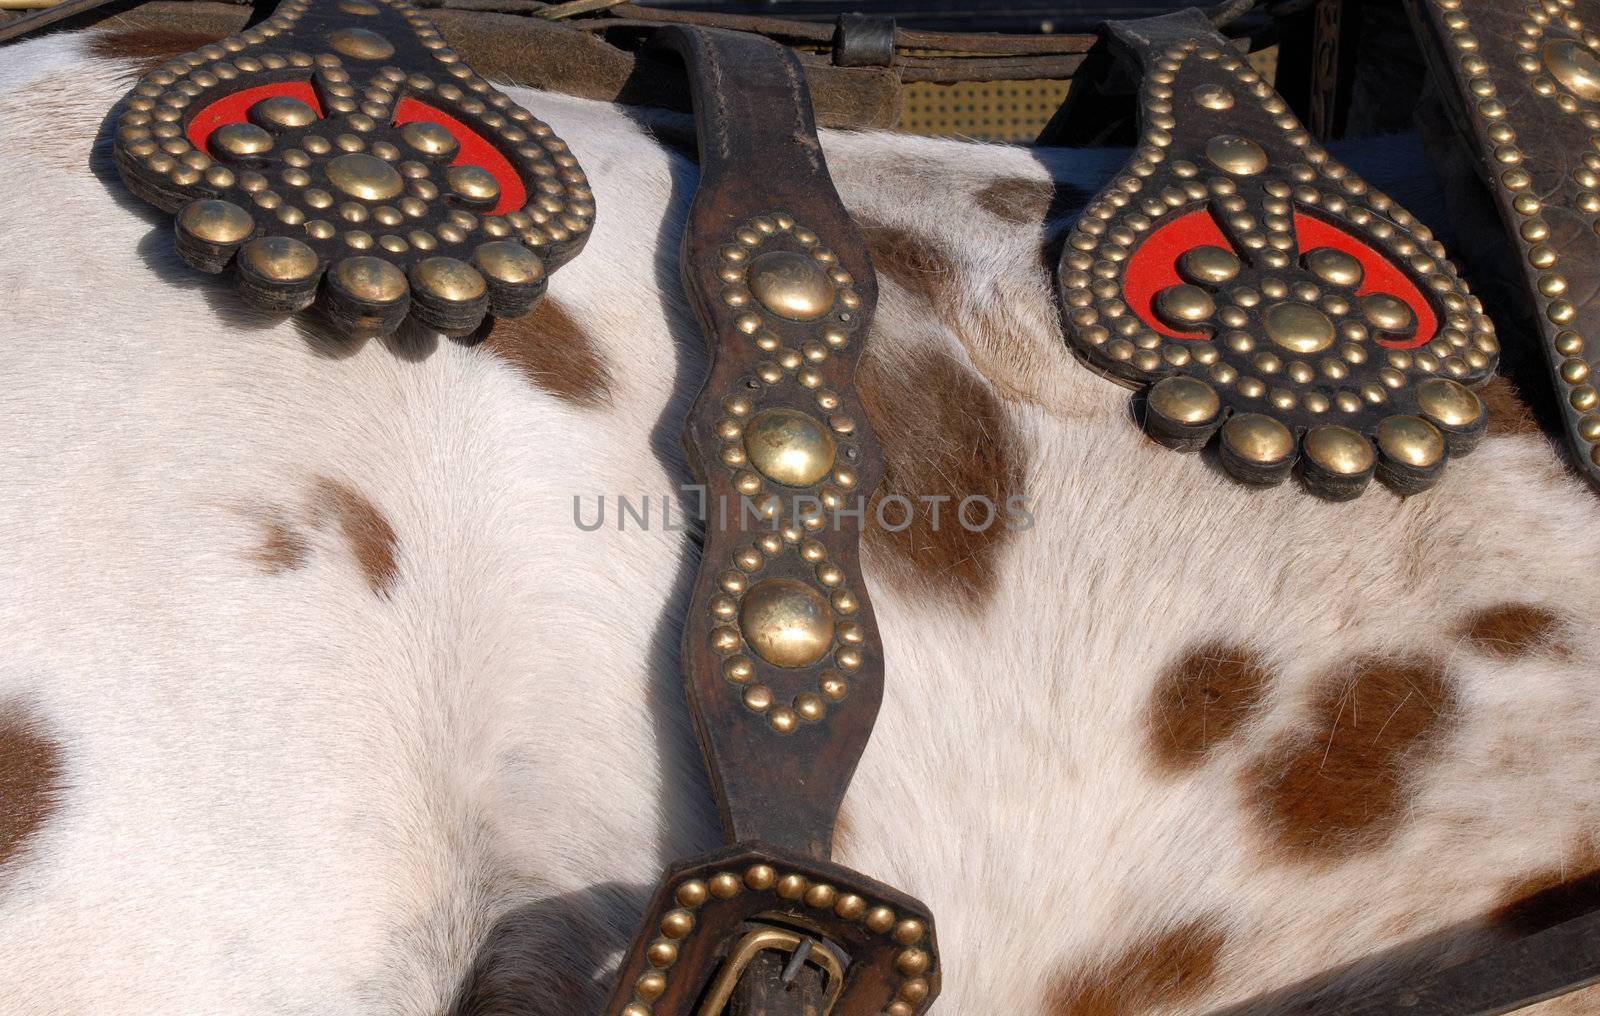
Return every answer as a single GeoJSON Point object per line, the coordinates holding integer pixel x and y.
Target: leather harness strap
{"type": "Point", "coordinates": [782, 663]}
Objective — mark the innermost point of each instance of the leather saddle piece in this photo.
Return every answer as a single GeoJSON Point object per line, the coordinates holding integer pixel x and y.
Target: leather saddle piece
{"type": "Point", "coordinates": [1254, 289]}
{"type": "Point", "coordinates": [782, 663]}
{"type": "Point", "coordinates": [1522, 82]}
{"type": "Point", "coordinates": [340, 149]}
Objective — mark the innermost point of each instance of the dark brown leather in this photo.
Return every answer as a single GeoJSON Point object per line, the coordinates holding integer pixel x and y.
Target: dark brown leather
{"type": "Point", "coordinates": [1520, 91]}
{"type": "Point", "coordinates": [779, 278]}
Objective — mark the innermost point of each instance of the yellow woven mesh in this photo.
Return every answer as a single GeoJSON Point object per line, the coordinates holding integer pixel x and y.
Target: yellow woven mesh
{"type": "Point", "coordinates": [1001, 110]}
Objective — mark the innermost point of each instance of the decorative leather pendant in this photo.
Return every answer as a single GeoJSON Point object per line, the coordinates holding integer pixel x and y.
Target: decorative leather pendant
{"type": "Point", "coordinates": [1523, 83]}
{"type": "Point", "coordinates": [1252, 286]}
{"type": "Point", "coordinates": [340, 148]}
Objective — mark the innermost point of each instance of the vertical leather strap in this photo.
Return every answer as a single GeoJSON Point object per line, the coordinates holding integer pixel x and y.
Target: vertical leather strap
{"type": "Point", "coordinates": [781, 657]}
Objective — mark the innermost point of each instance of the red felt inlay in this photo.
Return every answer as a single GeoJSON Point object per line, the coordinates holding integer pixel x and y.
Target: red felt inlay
{"type": "Point", "coordinates": [474, 151]}
{"type": "Point", "coordinates": [1154, 266]}
{"type": "Point", "coordinates": [1380, 275]}
{"type": "Point", "coordinates": [231, 108]}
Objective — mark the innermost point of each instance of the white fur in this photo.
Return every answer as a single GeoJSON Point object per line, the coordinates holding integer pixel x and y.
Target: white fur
{"type": "Point", "coordinates": [287, 795]}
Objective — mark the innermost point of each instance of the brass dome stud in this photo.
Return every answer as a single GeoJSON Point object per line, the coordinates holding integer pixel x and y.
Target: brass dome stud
{"type": "Point", "coordinates": [473, 185]}
{"type": "Point", "coordinates": [448, 295]}
{"type": "Point", "coordinates": [515, 275]}
{"type": "Point", "coordinates": [1574, 66]}
{"type": "Point", "coordinates": [281, 112]}
{"type": "Point", "coordinates": [360, 43]}
{"type": "Point", "coordinates": [1334, 267]}
{"type": "Point", "coordinates": [1182, 412]}
{"type": "Point", "coordinates": [1213, 97]}
{"type": "Point", "coordinates": [208, 232]}
{"type": "Point", "coordinates": [791, 285]}
{"type": "Point", "coordinates": [365, 176]}
{"type": "Point", "coordinates": [789, 447]}
{"type": "Point", "coordinates": [367, 295]}
{"type": "Point", "coordinates": [1298, 327]}
{"type": "Point", "coordinates": [1238, 156]}
{"type": "Point", "coordinates": [1256, 449]}
{"type": "Point", "coordinates": [1411, 452]}
{"type": "Point", "coordinates": [239, 142]}
{"type": "Point", "coordinates": [1456, 410]}
{"type": "Point", "coordinates": [786, 622]}
{"type": "Point", "coordinates": [1208, 266]}
{"type": "Point", "coordinates": [1184, 306]}
{"type": "Point", "coordinates": [1389, 317]}
{"type": "Point", "coordinates": [278, 273]}
{"type": "Point", "coordinates": [1337, 463]}
{"type": "Point", "coordinates": [429, 138]}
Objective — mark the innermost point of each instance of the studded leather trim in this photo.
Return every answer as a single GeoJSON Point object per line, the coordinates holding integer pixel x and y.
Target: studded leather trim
{"type": "Point", "coordinates": [1250, 285]}
{"type": "Point", "coordinates": [1523, 80]}
{"type": "Point", "coordinates": [340, 147]}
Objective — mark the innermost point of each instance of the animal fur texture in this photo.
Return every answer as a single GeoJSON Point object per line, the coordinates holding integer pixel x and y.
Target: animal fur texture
{"type": "Point", "coordinates": [315, 700]}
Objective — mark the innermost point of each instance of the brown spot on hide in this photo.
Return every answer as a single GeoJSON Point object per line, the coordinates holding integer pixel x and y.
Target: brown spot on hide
{"type": "Point", "coordinates": [944, 435]}
{"type": "Point", "coordinates": [1153, 972]}
{"type": "Point", "coordinates": [283, 547]}
{"type": "Point", "coordinates": [146, 47]}
{"type": "Point", "coordinates": [553, 352]}
{"type": "Point", "coordinates": [1508, 413]}
{"type": "Point", "coordinates": [1510, 630]}
{"type": "Point", "coordinates": [914, 263]}
{"type": "Point", "coordinates": [1342, 784]}
{"type": "Point", "coordinates": [30, 781]}
{"type": "Point", "coordinates": [371, 538]}
{"type": "Point", "coordinates": [1201, 699]}
{"type": "Point", "coordinates": [1544, 899]}
{"type": "Point", "coordinates": [1030, 202]}
{"type": "Point", "coordinates": [537, 961]}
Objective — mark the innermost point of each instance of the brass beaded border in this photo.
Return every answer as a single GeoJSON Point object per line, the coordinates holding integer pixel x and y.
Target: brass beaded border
{"type": "Point", "coordinates": [912, 963]}
{"type": "Point", "coordinates": [1551, 286]}
{"type": "Point", "coordinates": [1091, 285]}
{"type": "Point", "coordinates": [560, 203]}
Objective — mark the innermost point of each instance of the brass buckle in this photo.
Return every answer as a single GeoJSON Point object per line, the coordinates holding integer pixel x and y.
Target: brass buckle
{"type": "Point", "coordinates": [802, 949]}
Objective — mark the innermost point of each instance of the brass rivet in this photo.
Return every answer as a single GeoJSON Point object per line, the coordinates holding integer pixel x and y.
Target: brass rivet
{"type": "Point", "coordinates": [787, 622]}
{"type": "Point", "coordinates": [1339, 450]}
{"type": "Point", "coordinates": [360, 8]}
{"type": "Point", "coordinates": [217, 222]}
{"type": "Point", "coordinates": [677, 924]}
{"type": "Point", "coordinates": [662, 954]}
{"type": "Point", "coordinates": [1184, 400]}
{"type": "Point", "coordinates": [365, 176]}
{"type": "Point", "coordinates": [360, 43]}
{"type": "Point", "coordinates": [820, 896]}
{"type": "Point", "coordinates": [850, 907]}
{"type": "Point", "coordinates": [1184, 305]}
{"type": "Point", "coordinates": [371, 279]}
{"type": "Point", "coordinates": [448, 279]}
{"type": "Point", "coordinates": [279, 259]}
{"type": "Point", "coordinates": [791, 887]}
{"type": "Point", "coordinates": [650, 986]}
{"type": "Point", "coordinates": [429, 138]}
{"type": "Point", "coordinates": [789, 447]}
{"type": "Point", "coordinates": [1212, 265]}
{"type": "Point", "coordinates": [1572, 64]}
{"type": "Point", "coordinates": [472, 183]}
{"type": "Point", "coordinates": [1233, 154]}
{"type": "Point", "coordinates": [1334, 266]}
{"type": "Point", "coordinates": [760, 876]}
{"type": "Point", "coordinates": [240, 140]}
{"type": "Point", "coordinates": [783, 720]}
{"type": "Point", "coordinates": [880, 919]}
{"type": "Point", "coordinates": [692, 894]}
{"type": "Point", "coordinates": [509, 262]}
{"type": "Point", "coordinates": [1298, 327]}
{"type": "Point", "coordinates": [1387, 314]}
{"type": "Point", "coordinates": [911, 962]}
{"type": "Point", "coordinates": [1411, 440]}
{"type": "Point", "coordinates": [809, 707]}
{"type": "Point", "coordinates": [1258, 439]}
{"type": "Point", "coordinates": [909, 931]}
{"type": "Point", "coordinates": [1448, 402]}
{"type": "Point", "coordinates": [758, 697]}
{"type": "Point", "coordinates": [282, 112]}
{"type": "Point", "coordinates": [724, 886]}
{"type": "Point", "coordinates": [791, 285]}
{"type": "Point", "coordinates": [1213, 97]}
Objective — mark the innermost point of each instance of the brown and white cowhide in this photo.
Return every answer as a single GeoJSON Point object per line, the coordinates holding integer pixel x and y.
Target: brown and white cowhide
{"type": "Point", "coordinates": [315, 700]}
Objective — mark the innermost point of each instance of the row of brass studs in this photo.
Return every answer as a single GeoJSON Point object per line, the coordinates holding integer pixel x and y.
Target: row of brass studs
{"type": "Point", "coordinates": [912, 962]}
{"type": "Point", "coordinates": [1563, 61]}
{"type": "Point", "coordinates": [783, 622]}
